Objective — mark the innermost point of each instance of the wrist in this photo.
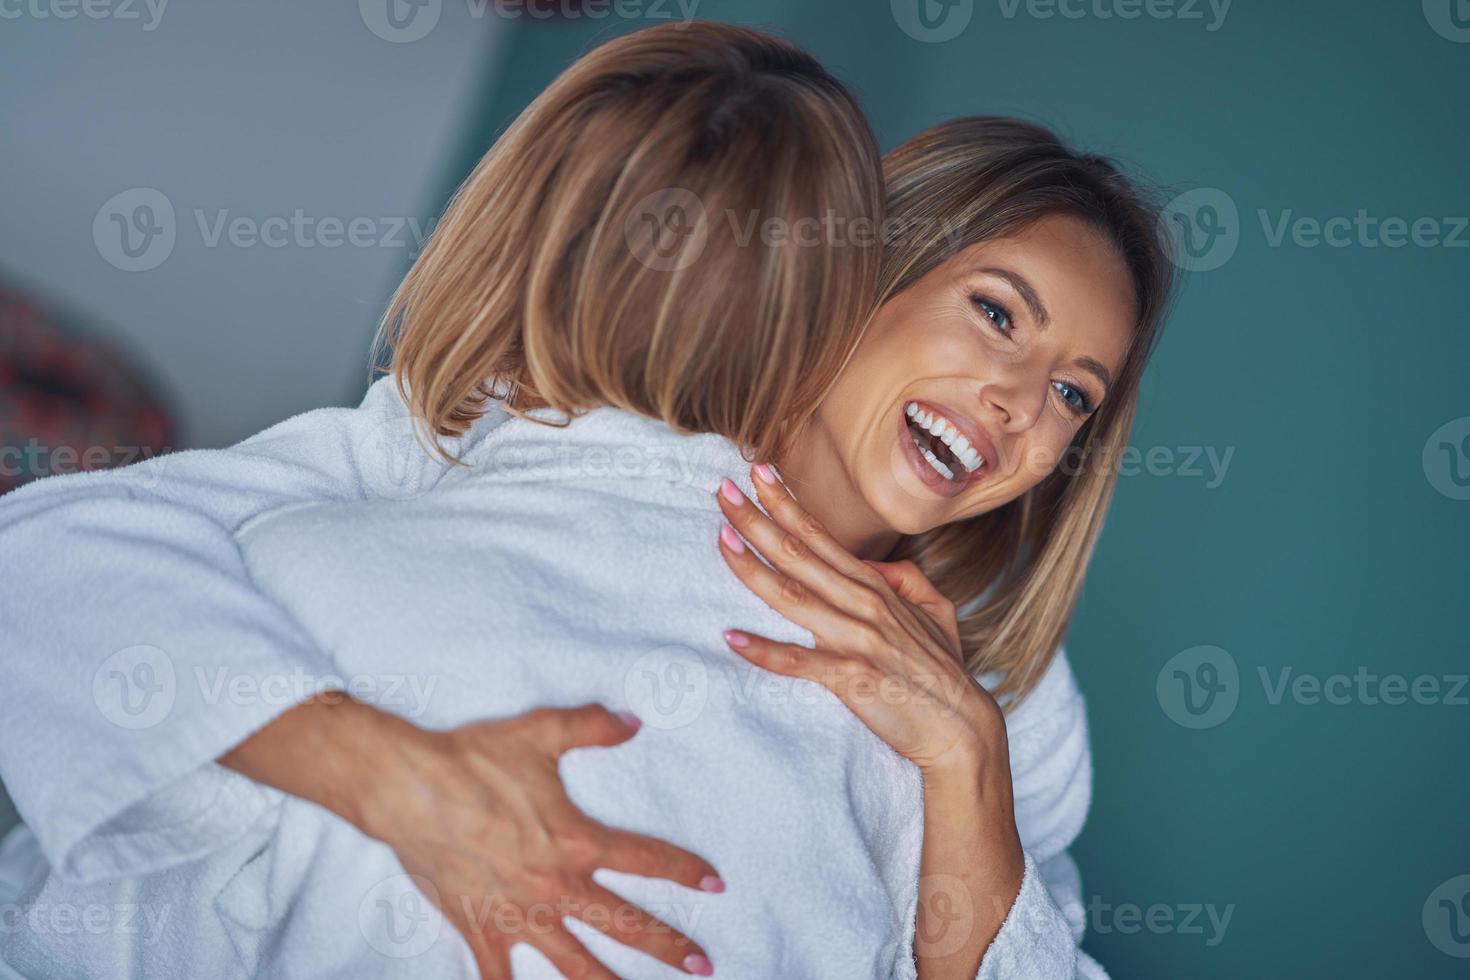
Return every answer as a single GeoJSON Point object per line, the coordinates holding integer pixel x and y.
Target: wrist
{"type": "Point", "coordinates": [377, 762]}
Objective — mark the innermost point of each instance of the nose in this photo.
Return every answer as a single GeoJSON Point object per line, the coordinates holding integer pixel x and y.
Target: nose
{"type": "Point", "coordinates": [1014, 403]}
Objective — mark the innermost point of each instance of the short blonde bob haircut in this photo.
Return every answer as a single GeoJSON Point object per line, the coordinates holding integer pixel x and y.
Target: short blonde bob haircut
{"type": "Point", "coordinates": [631, 241]}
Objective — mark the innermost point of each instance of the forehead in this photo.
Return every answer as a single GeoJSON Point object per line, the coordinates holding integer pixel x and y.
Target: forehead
{"type": "Point", "coordinates": [1077, 272]}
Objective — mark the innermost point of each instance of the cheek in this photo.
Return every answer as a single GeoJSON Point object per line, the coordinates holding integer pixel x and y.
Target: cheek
{"type": "Point", "coordinates": [1047, 448]}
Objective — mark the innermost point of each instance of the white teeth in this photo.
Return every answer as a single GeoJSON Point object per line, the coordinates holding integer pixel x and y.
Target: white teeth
{"type": "Point", "coordinates": [939, 467]}
{"type": "Point", "coordinates": [949, 434]}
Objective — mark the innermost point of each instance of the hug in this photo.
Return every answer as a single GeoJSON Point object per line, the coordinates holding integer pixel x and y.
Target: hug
{"type": "Point", "coordinates": [764, 678]}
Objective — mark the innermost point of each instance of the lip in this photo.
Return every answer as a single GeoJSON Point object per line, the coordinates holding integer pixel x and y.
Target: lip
{"type": "Point", "coordinates": [967, 427]}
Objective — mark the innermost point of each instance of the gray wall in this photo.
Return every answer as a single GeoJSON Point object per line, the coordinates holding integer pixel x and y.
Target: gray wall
{"type": "Point", "coordinates": [233, 110]}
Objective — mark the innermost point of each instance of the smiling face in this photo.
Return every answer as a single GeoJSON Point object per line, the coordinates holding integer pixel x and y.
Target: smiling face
{"type": "Point", "coordinates": [971, 383]}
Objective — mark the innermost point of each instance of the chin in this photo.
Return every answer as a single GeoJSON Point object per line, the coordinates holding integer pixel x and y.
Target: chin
{"type": "Point", "coordinates": [906, 513]}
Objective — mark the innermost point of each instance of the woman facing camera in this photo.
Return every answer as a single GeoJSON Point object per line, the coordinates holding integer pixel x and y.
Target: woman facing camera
{"type": "Point", "coordinates": [874, 786]}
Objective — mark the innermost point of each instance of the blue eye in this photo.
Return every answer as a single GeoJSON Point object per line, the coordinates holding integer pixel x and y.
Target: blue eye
{"type": "Point", "coordinates": [996, 313]}
{"type": "Point", "coordinates": [1075, 397]}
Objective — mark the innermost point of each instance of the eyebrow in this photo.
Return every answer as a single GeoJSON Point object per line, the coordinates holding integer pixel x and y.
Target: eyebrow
{"type": "Point", "coordinates": [1043, 319]}
{"type": "Point", "coordinates": [1088, 364]}
{"type": "Point", "coordinates": [1028, 294]}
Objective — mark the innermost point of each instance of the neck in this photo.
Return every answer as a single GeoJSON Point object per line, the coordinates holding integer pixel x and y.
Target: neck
{"type": "Point", "coordinates": [814, 470]}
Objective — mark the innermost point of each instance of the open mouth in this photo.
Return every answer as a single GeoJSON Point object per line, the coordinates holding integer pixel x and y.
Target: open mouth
{"type": "Point", "coordinates": [942, 455]}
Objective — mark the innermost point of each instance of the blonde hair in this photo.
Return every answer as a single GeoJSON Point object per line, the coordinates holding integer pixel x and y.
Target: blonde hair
{"type": "Point", "coordinates": [551, 273]}
{"type": "Point", "coordinates": [1015, 572]}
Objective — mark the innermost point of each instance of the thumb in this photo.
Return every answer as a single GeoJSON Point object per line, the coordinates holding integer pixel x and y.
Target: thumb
{"type": "Point", "coordinates": [589, 725]}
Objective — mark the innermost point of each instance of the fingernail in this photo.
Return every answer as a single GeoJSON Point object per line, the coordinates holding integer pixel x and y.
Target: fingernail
{"type": "Point", "coordinates": [698, 965]}
{"type": "Point", "coordinates": [736, 638]}
{"type": "Point", "coordinates": [630, 719]}
{"type": "Point", "coordinates": [732, 540]}
{"type": "Point", "coordinates": [765, 473]}
{"type": "Point", "coordinates": [712, 883]}
{"type": "Point", "coordinates": [731, 492]}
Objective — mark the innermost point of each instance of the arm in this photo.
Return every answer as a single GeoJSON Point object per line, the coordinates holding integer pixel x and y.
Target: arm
{"type": "Point", "coordinates": [127, 612]}
{"type": "Point", "coordinates": [1032, 924]}
{"type": "Point", "coordinates": [480, 815]}
{"type": "Point", "coordinates": [983, 905]}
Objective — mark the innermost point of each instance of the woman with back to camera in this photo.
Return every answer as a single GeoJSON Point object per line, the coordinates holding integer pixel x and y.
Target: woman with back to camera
{"type": "Point", "coordinates": [1012, 333]}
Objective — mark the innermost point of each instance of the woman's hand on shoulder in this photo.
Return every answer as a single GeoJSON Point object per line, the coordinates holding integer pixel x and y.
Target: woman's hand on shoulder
{"type": "Point", "coordinates": [887, 642]}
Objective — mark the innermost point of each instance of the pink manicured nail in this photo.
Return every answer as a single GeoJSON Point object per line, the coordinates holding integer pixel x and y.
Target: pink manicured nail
{"type": "Point", "coordinates": [731, 492]}
{"type": "Point", "coordinates": [712, 883]}
{"type": "Point", "coordinates": [765, 473]}
{"type": "Point", "coordinates": [732, 540]}
{"type": "Point", "coordinates": [698, 965]}
{"type": "Point", "coordinates": [736, 638]}
{"type": "Point", "coordinates": [630, 719]}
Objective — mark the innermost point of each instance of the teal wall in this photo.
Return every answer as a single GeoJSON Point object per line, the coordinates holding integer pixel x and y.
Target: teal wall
{"type": "Point", "coordinates": [1331, 545]}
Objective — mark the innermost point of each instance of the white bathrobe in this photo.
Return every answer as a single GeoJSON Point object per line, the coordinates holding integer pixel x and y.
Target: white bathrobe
{"type": "Point", "coordinates": [561, 566]}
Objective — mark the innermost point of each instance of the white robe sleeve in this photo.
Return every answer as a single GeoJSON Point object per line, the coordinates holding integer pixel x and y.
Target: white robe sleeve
{"type": "Point", "coordinates": [1051, 770]}
{"type": "Point", "coordinates": [136, 648]}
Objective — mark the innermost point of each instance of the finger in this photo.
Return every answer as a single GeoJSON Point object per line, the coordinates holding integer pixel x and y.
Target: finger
{"type": "Point", "coordinates": [788, 596]}
{"type": "Point", "coordinates": [492, 962]}
{"type": "Point", "coordinates": [778, 500]}
{"type": "Point", "coordinates": [909, 582]}
{"type": "Point", "coordinates": [791, 552]}
{"type": "Point", "coordinates": [652, 858]}
{"type": "Point", "coordinates": [831, 670]}
{"type": "Point", "coordinates": [568, 955]}
{"type": "Point", "coordinates": [628, 924]}
{"type": "Point", "coordinates": [588, 725]}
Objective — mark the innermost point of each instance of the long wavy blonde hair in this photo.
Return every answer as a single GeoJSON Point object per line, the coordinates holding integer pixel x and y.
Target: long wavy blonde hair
{"type": "Point", "coordinates": [1015, 572]}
